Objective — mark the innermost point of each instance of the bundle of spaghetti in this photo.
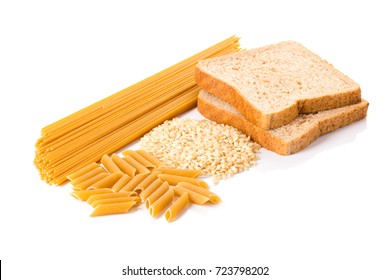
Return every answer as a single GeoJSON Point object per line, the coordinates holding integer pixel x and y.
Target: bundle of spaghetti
{"type": "Point", "coordinates": [114, 122]}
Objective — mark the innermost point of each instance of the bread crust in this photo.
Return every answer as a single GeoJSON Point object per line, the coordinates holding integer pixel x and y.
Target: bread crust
{"type": "Point", "coordinates": [270, 141]}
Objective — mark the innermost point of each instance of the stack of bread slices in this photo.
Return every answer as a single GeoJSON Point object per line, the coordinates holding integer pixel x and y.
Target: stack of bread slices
{"type": "Point", "coordinates": [283, 95]}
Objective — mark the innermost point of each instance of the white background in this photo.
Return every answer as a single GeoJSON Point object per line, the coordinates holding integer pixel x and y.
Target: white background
{"type": "Point", "coordinates": [320, 214]}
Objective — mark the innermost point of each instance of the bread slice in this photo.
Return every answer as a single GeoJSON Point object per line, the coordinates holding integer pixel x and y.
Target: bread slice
{"type": "Point", "coordinates": [273, 84]}
{"type": "Point", "coordinates": [287, 139]}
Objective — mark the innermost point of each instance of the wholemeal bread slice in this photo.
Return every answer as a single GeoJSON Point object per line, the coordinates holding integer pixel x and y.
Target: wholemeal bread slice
{"type": "Point", "coordinates": [287, 139]}
{"type": "Point", "coordinates": [273, 84]}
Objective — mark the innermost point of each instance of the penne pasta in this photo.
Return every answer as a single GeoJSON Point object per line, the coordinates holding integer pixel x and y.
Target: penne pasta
{"type": "Point", "coordinates": [150, 189]}
{"type": "Point", "coordinates": [150, 158]}
{"type": "Point", "coordinates": [107, 182]}
{"type": "Point", "coordinates": [86, 184]}
{"type": "Point", "coordinates": [138, 166]}
{"type": "Point", "coordinates": [180, 172]}
{"type": "Point", "coordinates": [96, 197]}
{"type": "Point", "coordinates": [82, 171]}
{"type": "Point", "coordinates": [177, 207]}
{"type": "Point", "coordinates": [113, 208]}
{"type": "Point", "coordinates": [123, 165]}
{"type": "Point", "coordinates": [121, 183]}
{"type": "Point", "coordinates": [88, 175]}
{"type": "Point", "coordinates": [173, 180]}
{"type": "Point", "coordinates": [146, 182]}
{"type": "Point", "coordinates": [156, 194]}
{"type": "Point", "coordinates": [109, 164]}
{"type": "Point", "coordinates": [213, 197]}
{"type": "Point", "coordinates": [139, 158]}
{"type": "Point", "coordinates": [194, 197]}
{"type": "Point", "coordinates": [130, 186]}
{"type": "Point", "coordinates": [161, 203]}
{"type": "Point", "coordinates": [85, 194]}
{"type": "Point", "coordinates": [116, 200]}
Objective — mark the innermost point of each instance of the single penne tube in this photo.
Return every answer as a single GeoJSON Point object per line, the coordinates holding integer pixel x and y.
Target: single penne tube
{"type": "Point", "coordinates": [156, 194]}
{"type": "Point", "coordinates": [180, 172]}
{"type": "Point", "coordinates": [106, 182]}
{"type": "Point", "coordinates": [173, 180]}
{"type": "Point", "coordinates": [194, 197]}
{"type": "Point", "coordinates": [139, 158]}
{"type": "Point", "coordinates": [109, 164]}
{"type": "Point", "coordinates": [177, 207]}
{"type": "Point", "coordinates": [116, 200]}
{"type": "Point", "coordinates": [121, 183]}
{"type": "Point", "coordinates": [138, 166]}
{"type": "Point", "coordinates": [123, 165]}
{"type": "Point", "coordinates": [161, 203]}
{"type": "Point", "coordinates": [150, 158]}
{"type": "Point", "coordinates": [146, 182]}
{"type": "Point", "coordinates": [150, 189]}
{"type": "Point", "coordinates": [88, 175]}
{"type": "Point", "coordinates": [113, 208]}
{"type": "Point", "coordinates": [130, 186]}
{"type": "Point", "coordinates": [96, 197]}
{"type": "Point", "coordinates": [83, 195]}
{"type": "Point", "coordinates": [86, 184]}
{"type": "Point", "coordinates": [213, 197]}
{"type": "Point", "coordinates": [82, 171]}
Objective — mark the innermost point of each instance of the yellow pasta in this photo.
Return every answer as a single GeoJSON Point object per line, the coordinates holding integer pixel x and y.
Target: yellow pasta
{"type": "Point", "coordinates": [173, 180]}
{"type": "Point", "coordinates": [121, 183]}
{"type": "Point", "coordinates": [85, 194]}
{"type": "Point", "coordinates": [113, 208]}
{"type": "Point", "coordinates": [150, 189]}
{"type": "Point", "coordinates": [213, 197]}
{"type": "Point", "coordinates": [146, 182]}
{"type": "Point", "coordinates": [116, 200]}
{"type": "Point", "coordinates": [139, 158]}
{"type": "Point", "coordinates": [150, 158]}
{"type": "Point", "coordinates": [180, 172]}
{"type": "Point", "coordinates": [107, 182]}
{"type": "Point", "coordinates": [130, 186]}
{"type": "Point", "coordinates": [194, 197]}
{"type": "Point", "coordinates": [138, 166]}
{"type": "Point", "coordinates": [82, 171]}
{"type": "Point", "coordinates": [92, 173]}
{"type": "Point", "coordinates": [123, 165]}
{"type": "Point", "coordinates": [156, 194]}
{"type": "Point", "coordinates": [177, 207]}
{"type": "Point", "coordinates": [86, 184]}
{"type": "Point", "coordinates": [96, 197]}
{"type": "Point", "coordinates": [161, 203]}
{"type": "Point", "coordinates": [109, 164]}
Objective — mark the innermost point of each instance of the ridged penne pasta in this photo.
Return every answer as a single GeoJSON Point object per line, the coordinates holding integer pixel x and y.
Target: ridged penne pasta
{"type": "Point", "coordinates": [150, 189]}
{"type": "Point", "coordinates": [85, 194]}
{"type": "Point", "coordinates": [139, 158]}
{"type": "Point", "coordinates": [121, 183]}
{"type": "Point", "coordinates": [173, 180]}
{"type": "Point", "coordinates": [110, 165]}
{"type": "Point", "coordinates": [138, 166]}
{"type": "Point", "coordinates": [130, 186]}
{"type": "Point", "coordinates": [107, 182]}
{"type": "Point", "coordinates": [82, 171]}
{"type": "Point", "coordinates": [123, 165]}
{"type": "Point", "coordinates": [177, 207]}
{"type": "Point", "coordinates": [161, 203]}
{"type": "Point", "coordinates": [113, 208]}
{"type": "Point", "coordinates": [116, 200]}
{"type": "Point", "coordinates": [96, 197]}
{"type": "Point", "coordinates": [146, 182]}
{"type": "Point", "coordinates": [156, 194]}
{"type": "Point", "coordinates": [194, 197]}
{"type": "Point", "coordinates": [213, 197]}
{"type": "Point", "coordinates": [88, 175]}
{"type": "Point", "coordinates": [86, 184]}
{"type": "Point", "coordinates": [150, 158]}
{"type": "Point", "coordinates": [180, 172]}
